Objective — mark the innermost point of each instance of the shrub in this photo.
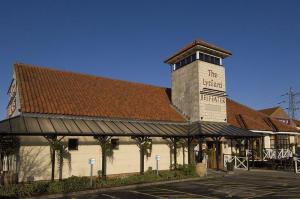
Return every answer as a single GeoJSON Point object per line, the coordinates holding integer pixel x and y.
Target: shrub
{"type": "Point", "coordinates": [24, 190]}
{"type": "Point", "coordinates": [73, 183]}
{"type": "Point", "coordinates": [69, 185]}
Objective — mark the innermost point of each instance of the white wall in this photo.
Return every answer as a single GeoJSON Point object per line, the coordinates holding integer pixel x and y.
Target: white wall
{"type": "Point", "coordinates": [267, 141]}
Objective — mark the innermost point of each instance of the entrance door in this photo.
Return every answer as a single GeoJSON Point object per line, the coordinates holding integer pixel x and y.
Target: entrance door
{"type": "Point", "coordinates": [211, 152]}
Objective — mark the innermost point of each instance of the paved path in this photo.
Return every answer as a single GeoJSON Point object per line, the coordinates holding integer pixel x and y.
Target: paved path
{"type": "Point", "coordinates": [253, 184]}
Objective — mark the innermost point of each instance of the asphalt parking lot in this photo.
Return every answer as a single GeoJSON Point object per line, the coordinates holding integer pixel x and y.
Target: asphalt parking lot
{"type": "Point", "coordinates": [245, 184]}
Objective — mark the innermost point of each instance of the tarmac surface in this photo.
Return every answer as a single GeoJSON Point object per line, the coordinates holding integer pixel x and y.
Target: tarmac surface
{"type": "Point", "coordinates": [241, 184]}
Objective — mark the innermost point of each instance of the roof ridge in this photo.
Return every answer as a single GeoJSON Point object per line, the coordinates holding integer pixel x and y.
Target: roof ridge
{"type": "Point", "coordinates": [275, 107]}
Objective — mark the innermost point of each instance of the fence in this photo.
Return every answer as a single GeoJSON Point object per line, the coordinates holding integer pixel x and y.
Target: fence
{"type": "Point", "coordinates": [239, 162]}
{"type": "Point", "coordinates": [270, 154]}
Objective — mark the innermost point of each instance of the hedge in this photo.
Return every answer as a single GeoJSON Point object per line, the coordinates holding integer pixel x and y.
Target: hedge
{"type": "Point", "coordinates": [74, 183]}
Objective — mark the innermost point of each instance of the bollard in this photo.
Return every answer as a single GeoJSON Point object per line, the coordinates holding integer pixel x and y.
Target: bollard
{"type": "Point", "coordinates": [157, 157]}
{"type": "Point", "coordinates": [91, 183]}
{"type": "Point", "coordinates": [91, 163]}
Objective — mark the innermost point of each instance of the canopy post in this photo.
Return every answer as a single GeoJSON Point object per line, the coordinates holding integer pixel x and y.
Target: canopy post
{"type": "Point", "coordinates": [174, 141]}
{"type": "Point", "coordinates": [189, 142]}
{"type": "Point", "coordinates": [200, 153]}
{"type": "Point", "coordinates": [54, 142]}
{"type": "Point", "coordinates": [142, 142]}
{"type": "Point", "coordinates": [217, 141]}
{"type": "Point", "coordinates": [262, 148]}
{"type": "Point", "coordinates": [185, 144]}
{"type": "Point", "coordinates": [252, 150]}
{"type": "Point", "coordinates": [247, 141]}
{"type": "Point", "coordinates": [103, 141]}
{"type": "Point", "coordinates": [231, 145]}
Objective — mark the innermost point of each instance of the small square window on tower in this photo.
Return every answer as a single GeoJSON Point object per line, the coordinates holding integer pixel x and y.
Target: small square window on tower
{"type": "Point", "coordinates": [73, 144]}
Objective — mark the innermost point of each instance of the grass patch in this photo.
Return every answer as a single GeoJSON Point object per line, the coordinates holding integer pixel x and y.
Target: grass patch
{"type": "Point", "coordinates": [74, 183]}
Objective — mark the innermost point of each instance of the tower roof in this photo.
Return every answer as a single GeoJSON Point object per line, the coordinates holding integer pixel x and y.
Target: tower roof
{"type": "Point", "coordinates": [199, 45]}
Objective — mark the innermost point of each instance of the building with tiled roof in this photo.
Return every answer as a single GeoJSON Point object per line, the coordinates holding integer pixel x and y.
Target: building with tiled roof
{"type": "Point", "coordinates": [245, 117]}
{"type": "Point", "coordinates": [279, 114]}
{"type": "Point", "coordinates": [297, 122]}
{"type": "Point", "coordinates": [66, 93]}
{"type": "Point", "coordinates": [48, 106]}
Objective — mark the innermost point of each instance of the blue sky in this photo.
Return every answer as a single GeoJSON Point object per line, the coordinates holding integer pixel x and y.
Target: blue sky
{"type": "Point", "coordinates": [130, 39]}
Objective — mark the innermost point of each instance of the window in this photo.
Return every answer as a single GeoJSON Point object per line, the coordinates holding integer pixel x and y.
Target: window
{"type": "Point", "coordinates": [193, 57]}
{"type": "Point", "coordinates": [183, 62]}
{"type": "Point", "coordinates": [73, 144]}
{"type": "Point", "coordinates": [217, 61]}
{"type": "Point", "coordinates": [188, 60]}
{"type": "Point", "coordinates": [283, 141]}
{"type": "Point", "coordinates": [201, 56]}
{"type": "Point", "coordinates": [115, 144]}
{"type": "Point", "coordinates": [209, 59]}
{"type": "Point", "coordinates": [272, 142]}
{"type": "Point", "coordinates": [212, 60]}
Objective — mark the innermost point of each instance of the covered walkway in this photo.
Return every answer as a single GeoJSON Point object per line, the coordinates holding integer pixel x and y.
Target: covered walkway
{"type": "Point", "coordinates": [55, 127]}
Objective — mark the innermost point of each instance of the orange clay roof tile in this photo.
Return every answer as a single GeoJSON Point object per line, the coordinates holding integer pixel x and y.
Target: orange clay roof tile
{"type": "Point", "coordinates": [49, 91]}
{"type": "Point", "coordinates": [44, 90]}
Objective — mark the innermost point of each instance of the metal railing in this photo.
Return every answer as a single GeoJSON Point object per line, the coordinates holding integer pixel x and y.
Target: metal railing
{"type": "Point", "coordinates": [277, 154]}
{"type": "Point", "coordinates": [239, 161]}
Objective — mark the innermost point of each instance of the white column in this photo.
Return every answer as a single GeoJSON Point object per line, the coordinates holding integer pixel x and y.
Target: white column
{"type": "Point", "coordinates": [197, 55]}
{"type": "Point", "coordinates": [174, 67]}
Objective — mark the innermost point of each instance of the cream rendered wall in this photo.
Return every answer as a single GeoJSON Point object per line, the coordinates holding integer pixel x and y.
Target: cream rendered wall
{"type": "Point", "coordinates": [226, 147]}
{"type": "Point", "coordinates": [182, 153]}
{"type": "Point", "coordinates": [124, 160]}
{"type": "Point", "coordinates": [267, 141]}
{"type": "Point", "coordinates": [34, 163]}
{"type": "Point", "coordinates": [79, 161]}
{"type": "Point", "coordinates": [292, 141]}
{"type": "Point", "coordinates": [35, 158]}
{"type": "Point", "coordinates": [164, 163]}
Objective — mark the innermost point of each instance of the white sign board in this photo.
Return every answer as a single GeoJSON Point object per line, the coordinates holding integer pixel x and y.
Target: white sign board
{"type": "Point", "coordinates": [157, 157]}
{"type": "Point", "coordinates": [212, 93]}
{"type": "Point", "coordinates": [92, 161]}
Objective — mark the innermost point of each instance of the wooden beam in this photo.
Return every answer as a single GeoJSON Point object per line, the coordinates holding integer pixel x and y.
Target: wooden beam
{"type": "Point", "coordinates": [217, 141]}
{"type": "Point", "coordinates": [189, 145]}
{"type": "Point", "coordinates": [103, 141]}
{"type": "Point", "coordinates": [142, 142]}
{"type": "Point", "coordinates": [52, 141]}
{"type": "Point", "coordinates": [252, 150]}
